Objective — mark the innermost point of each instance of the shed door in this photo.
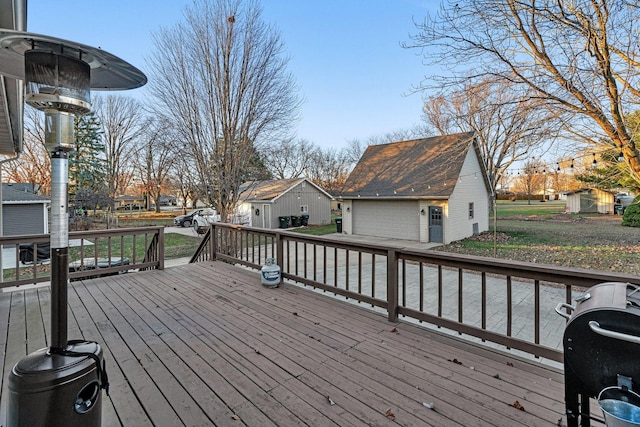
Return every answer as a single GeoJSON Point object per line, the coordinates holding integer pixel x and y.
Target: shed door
{"type": "Point", "coordinates": [588, 203]}
{"type": "Point", "coordinates": [266, 216]}
{"type": "Point", "coordinates": [435, 224]}
{"type": "Point", "coordinates": [391, 218]}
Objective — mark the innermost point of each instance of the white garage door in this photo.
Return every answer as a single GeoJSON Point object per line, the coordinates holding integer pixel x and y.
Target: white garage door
{"type": "Point", "coordinates": [395, 219]}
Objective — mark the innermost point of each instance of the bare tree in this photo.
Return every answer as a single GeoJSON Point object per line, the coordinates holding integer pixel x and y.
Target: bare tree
{"type": "Point", "coordinates": [34, 164]}
{"type": "Point", "coordinates": [581, 57]}
{"type": "Point", "coordinates": [507, 125]}
{"type": "Point", "coordinates": [532, 179]}
{"type": "Point", "coordinates": [184, 178]}
{"type": "Point", "coordinates": [123, 121]}
{"type": "Point", "coordinates": [155, 158]}
{"type": "Point", "coordinates": [289, 158]}
{"type": "Point", "coordinates": [329, 169]}
{"type": "Point", "coordinates": [221, 76]}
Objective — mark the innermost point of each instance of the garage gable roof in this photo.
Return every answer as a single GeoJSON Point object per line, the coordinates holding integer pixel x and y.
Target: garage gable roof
{"type": "Point", "coordinates": [270, 190]}
{"type": "Point", "coordinates": [19, 193]}
{"type": "Point", "coordinates": [419, 168]}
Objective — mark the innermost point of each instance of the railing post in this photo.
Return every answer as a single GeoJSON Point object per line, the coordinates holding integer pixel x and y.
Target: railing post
{"type": "Point", "coordinates": [392, 285]}
{"type": "Point", "coordinates": [160, 248]}
{"type": "Point", "coordinates": [280, 253]}
{"type": "Point", "coordinates": [213, 241]}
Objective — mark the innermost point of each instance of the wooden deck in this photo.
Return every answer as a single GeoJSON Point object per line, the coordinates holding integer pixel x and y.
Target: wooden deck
{"type": "Point", "coordinates": [205, 344]}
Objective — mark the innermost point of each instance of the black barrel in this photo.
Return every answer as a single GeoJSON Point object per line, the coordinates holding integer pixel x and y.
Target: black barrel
{"type": "Point", "coordinates": [65, 389]}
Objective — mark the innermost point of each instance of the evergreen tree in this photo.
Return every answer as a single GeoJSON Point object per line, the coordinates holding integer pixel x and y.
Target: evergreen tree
{"type": "Point", "coordinates": [87, 165]}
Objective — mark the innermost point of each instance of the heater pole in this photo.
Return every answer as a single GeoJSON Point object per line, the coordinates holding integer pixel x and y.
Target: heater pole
{"type": "Point", "coordinates": [59, 230]}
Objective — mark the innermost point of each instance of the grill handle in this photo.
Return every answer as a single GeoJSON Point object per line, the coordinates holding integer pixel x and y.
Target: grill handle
{"type": "Point", "coordinates": [562, 305]}
{"type": "Point", "coordinates": [595, 327]}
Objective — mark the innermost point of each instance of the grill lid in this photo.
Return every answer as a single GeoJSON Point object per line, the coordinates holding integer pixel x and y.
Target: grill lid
{"type": "Point", "coordinates": [602, 338]}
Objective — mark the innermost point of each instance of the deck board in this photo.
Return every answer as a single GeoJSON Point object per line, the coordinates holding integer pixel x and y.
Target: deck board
{"type": "Point", "coordinates": [206, 344]}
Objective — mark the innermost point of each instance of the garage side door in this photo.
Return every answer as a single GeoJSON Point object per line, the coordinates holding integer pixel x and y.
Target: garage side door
{"type": "Point", "coordinates": [398, 219]}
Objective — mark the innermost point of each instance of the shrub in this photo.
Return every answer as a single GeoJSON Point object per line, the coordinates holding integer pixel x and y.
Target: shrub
{"type": "Point", "coordinates": [631, 217]}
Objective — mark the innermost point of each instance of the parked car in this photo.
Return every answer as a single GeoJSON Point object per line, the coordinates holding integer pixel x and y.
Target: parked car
{"type": "Point", "coordinates": [202, 220]}
{"type": "Point", "coordinates": [186, 220]}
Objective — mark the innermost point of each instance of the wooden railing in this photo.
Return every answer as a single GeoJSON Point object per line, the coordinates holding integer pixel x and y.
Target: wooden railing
{"type": "Point", "coordinates": [91, 254]}
{"type": "Point", "coordinates": [509, 303]}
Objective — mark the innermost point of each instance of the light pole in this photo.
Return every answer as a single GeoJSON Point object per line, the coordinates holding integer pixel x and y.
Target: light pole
{"type": "Point", "coordinates": [61, 384]}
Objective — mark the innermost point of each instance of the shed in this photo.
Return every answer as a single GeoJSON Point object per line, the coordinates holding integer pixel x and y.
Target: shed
{"type": "Point", "coordinates": [590, 200]}
{"type": "Point", "coordinates": [430, 190]}
{"type": "Point", "coordinates": [264, 202]}
{"type": "Point", "coordinates": [23, 211]}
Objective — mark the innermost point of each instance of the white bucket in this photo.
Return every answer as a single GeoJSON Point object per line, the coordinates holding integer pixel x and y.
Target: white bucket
{"type": "Point", "coordinates": [617, 406]}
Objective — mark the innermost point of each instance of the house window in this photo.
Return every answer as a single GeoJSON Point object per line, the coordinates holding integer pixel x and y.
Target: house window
{"type": "Point", "coordinates": [470, 210]}
{"type": "Point", "coordinates": [304, 209]}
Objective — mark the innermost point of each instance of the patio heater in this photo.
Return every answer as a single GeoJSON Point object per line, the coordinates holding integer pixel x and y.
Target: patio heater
{"type": "Point", "coordinates": [61, 384]}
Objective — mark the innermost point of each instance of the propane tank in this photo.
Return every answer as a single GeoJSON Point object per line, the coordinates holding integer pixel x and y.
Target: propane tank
{"type": "Point", "coordinates": [270, 274]}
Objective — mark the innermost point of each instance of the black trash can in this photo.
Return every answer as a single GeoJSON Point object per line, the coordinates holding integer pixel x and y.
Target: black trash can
{"type": "Point", "coordinates": [339, 224]}
{"type": "Point", "coordinates": [296, 221]}
{"type": "Point", "coordinates": [48, 389]}
{"type": "Point", "coordinates": [305, 220]}
{"type": "Point", "coordinates": [284, 221]}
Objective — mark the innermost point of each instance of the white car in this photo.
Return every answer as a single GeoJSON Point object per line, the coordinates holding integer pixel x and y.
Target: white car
{"type": "Point", "coordinates": [202, 219]}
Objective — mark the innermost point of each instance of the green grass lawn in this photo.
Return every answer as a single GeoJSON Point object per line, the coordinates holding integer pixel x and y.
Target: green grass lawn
{"type": "Point", "coordinates": [542, 233]}
{"type": "Point", "coordinates": [317, 230]}
{"type": "Point", "coordinates": [506, 208]}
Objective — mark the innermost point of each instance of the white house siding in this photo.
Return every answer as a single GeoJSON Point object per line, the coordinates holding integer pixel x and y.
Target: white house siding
{"type": "Point", "coordinates": [399, 219]}
{"type": "Point", "coordinates": [470, 188]}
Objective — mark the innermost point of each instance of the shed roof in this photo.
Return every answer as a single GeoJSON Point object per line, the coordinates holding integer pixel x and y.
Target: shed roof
{"type": "Point", "coordinates": [587, 190]}
{"type": "Point", "coordinates": [419, 168]}
{"type": "Point", "coordinates": [272, 189]}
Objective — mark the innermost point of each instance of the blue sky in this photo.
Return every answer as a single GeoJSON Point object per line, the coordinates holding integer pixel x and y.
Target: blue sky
{"type": "Point", "coordinates": [354, 77]}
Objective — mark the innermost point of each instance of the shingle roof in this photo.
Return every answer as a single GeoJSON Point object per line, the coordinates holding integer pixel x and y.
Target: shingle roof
{"type": "Point", "coordinates": [267, 190]}
{"type": "Point", "coordinates": [419, 168]}
{"type": "Point", "coordinates": [20, 193]}
{"type": "Point", "coordinates": [271, 189]}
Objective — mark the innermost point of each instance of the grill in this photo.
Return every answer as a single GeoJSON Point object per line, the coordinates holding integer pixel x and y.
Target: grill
{"type": "Point", "coordinates": [601, 347]}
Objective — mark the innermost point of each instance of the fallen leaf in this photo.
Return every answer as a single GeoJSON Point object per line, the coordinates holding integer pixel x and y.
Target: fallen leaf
{"type": "Point", "coordinates": [428, 405]}
{"type": "Point", "coordinates": [456, 361]}
{"type": "Point", "coordinates": [390, 414]}
{"type": "Point", "coordinates": [509, 364]}
{"type": "Point", "coordinates": [235, 417]}
{"type": "Point", "coordinates": [395, 331]}
{"type": "Point", "coordinates": [295, 313]}
{"type": "Point", "coordinates": [496, 376]}
{"type": "Point", "coordinates": [517, 405]}
{"type": "Point", "coordinates": [331, 402]}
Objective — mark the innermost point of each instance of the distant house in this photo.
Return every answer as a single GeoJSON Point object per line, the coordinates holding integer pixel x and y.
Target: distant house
{"type": "Point", "coordinates": [264, 202]}
{"type": "Point", "coordinates": [129, 203]}
{"type": "Point", "coordinates": [431, 190]}
{"type": "Point", "coordinates": [590, 200]}
{"type": "Point", "coordinates": [23, 211]}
